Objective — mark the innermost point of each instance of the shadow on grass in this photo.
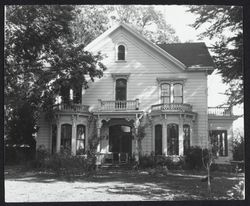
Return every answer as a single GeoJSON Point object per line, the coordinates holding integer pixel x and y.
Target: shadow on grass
{"type": "Point", "coordinates": [176, 185]}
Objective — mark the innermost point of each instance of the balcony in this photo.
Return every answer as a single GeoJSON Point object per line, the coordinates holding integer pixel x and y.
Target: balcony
{"type": "Point", "coordinates": [71, 107]}
{"type": "Point", "coordinates": [220, 111]}
{"type": "Point", "coordinates": [110, 105]}
{"type": "Point", "coordinates": [172, 107]}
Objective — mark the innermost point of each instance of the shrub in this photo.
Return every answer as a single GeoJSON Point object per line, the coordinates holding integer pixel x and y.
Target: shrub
{"type": "Point", "coordinates": [238, 149]}
{"type": "Point", "coordinates": [193, 157]}
{"type": "Point", "coordinates": [64, 163]}
{"type": "Point", "coordinates": [41, 154]}
{"type": "Point", "coordinates": [152, 161]}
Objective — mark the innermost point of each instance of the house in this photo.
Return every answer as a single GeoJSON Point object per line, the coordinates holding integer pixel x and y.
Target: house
{"type": "Point", "coordinates": [160, 88]}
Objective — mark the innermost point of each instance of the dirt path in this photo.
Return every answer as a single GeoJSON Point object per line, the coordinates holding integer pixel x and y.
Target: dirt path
{"type": "Point", "coordinates": [110, 186]}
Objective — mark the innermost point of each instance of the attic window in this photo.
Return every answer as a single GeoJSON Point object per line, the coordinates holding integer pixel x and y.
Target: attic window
{"type": "Point", "coordinates": [121, 52]}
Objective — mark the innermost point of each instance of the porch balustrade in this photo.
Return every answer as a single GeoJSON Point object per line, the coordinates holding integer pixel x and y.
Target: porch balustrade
{"type": "Point", "coordinates": [110, 105]}
{"type": "Point", "coordinates": [172, 107]}
{"type": "Point", "coordinates": [220, 111]}
{"type": "Point", "coordinates": [72, 107]}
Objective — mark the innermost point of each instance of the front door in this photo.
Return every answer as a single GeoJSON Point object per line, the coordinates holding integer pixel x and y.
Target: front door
{"type": "Point", "coordinates": [120, 142]}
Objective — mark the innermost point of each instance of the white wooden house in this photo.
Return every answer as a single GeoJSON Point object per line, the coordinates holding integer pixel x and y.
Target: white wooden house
{"type": "Point", "coordinates": [161, 86]}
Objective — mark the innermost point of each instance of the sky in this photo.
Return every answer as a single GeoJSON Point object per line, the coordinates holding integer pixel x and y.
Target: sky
{"type": "Point", "coordinates": [180, 20]}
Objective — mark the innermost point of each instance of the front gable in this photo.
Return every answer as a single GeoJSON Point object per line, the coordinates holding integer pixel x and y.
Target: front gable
{"type": "Point", "coordinates": [139, 52]}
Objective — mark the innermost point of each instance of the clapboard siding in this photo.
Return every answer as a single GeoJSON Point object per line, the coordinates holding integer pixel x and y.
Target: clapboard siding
{"type": "Point", "coordinates": [146, 65]}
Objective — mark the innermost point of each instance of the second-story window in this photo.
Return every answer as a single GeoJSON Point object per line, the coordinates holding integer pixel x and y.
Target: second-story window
{"type": "Point", "coordinates": [177, 93]}
{"type": "Point", "coordinates": [165, 93]}
{"type": "Point", "coordinates": [121, 52]}
{"type": "Point", "coordinates": [171, 93]}
{"type": "Point", "coordinates": [121, 90]}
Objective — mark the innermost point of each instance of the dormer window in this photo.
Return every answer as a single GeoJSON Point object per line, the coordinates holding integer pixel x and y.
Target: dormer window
{"type": "Point", "coordinates": [121, 52]}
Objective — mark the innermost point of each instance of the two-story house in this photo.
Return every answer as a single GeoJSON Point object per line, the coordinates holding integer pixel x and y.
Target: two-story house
{"type": "Point", "coordinates": [161, 86]}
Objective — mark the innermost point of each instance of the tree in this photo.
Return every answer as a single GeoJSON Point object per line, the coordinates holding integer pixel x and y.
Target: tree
{"type": "Point", "coordinates": [93, 20]}
{"type": "Point", "coordinates": [225, 24]}
{"type": "Point", "coordinates": [41, 58]}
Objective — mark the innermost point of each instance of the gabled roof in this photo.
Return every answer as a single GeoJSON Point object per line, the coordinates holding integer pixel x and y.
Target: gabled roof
{"type": "Point", "coordinates": [188, 56]}
{"type": "Point", "coordinates": [194, 55]}
{"type": "Point", "coordinates": [138, 35]}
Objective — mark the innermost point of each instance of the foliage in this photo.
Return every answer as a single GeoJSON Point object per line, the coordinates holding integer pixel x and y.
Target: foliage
{"type": "Point", "coordinates": [238, 191]}
{"type": "Point", "coordinates": [238, 149]}
{"type": "Point", "coordinates": [93, 20]}
{"type": "Point", "coordinates": [153, 161]}
{"type": "Point", "coordinates": [193, 158]}
{"type": "Point", "coordinates": [41, 154]}
{"type": "Point", "coordinates": [41, 59]}
{"type": "Point", "coordinates": [225, 24]}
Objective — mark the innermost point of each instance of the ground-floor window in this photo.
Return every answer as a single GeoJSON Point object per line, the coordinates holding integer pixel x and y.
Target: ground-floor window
{"type": "Point", "coordinates": [54, 137]}
{"type": "Point", "coordinates": [219, 140]}
{"type": "Point", "coordinates": [186, 138]}
{"type": "Point", "coordinates": [158, 139]}
{"type": "Point", "coordinates": [66, 136]}
{"type": "Point", "coordinates": [173, 139]}
{"type": "Point", "coordinates": [80, 139]}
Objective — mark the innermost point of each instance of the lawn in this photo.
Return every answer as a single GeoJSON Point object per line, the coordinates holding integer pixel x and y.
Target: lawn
{"type": "Point", "coordinates": [22, 185]}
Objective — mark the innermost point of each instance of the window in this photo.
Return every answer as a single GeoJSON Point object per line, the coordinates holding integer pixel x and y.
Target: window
{"type": "Point", "coordinates": [171, 93]}
{"type": "Point", "coordinates": [80, 140]}
{"type": "Point", "coordinates": [177, 93]}
{"type": "Point", "coordinates": [219, 141]}
{"type": "Point", "coordinates": [121, 90]}
{"type": "Point", "coordinates": [77, 95]}
{"type": "Point", "coordinates": [121, 52]}
{"type": "Point", "coordinates": [158, 139]}
{"type": "Point", "coordinates": [66, 136]}
{"type": "Point", "coordinates": [165, 93]}
{"type": "Point", "coordinates": [173, 139]}
{"type": "Point", "coordinates": [186, 138]}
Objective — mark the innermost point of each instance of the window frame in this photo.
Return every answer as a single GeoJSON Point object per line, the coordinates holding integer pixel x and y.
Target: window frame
{"type": "Point", "coordinates": [171, 84]}
{"type": "Point", "coordinates": [170, 140]}
{"type": "Point", "coordinates": [81, 139]}
{"type": "Point", "coordinates": [117, 52]}
{"type": "Point", "coordinates": [184, 138]}
{"type": "Point", "coordinates": [161, 142]}
{"type": "Point", "coordinates": [67, 139]}
{"type": "Point", "coordinates": [222, 152]}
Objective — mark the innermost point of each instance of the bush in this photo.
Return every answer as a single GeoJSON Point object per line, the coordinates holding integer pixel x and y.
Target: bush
{"type": "Point", "coordinates": [41, 154]}
{"type": "Point", "coordinates": [193, 158]}
{"type": "Point", "coordinates": [152, 161]}
{"type": "Point", "coordinates": [64, 163]}
{"type": "Point", "coordinates": [238, 149]}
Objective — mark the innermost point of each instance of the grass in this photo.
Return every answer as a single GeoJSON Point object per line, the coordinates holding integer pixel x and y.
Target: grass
{"type": "Point", "coordinates": [22, 185]}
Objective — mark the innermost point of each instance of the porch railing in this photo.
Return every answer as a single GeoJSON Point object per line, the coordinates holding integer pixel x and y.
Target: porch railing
{"type": "Point", "coordinates": [220, 111]}
{"type": "Point", "coordinates": [71, 107]}
{"type": "Point", "coordinates": [172, 107]}
{"type": "Point", "coordinates": [110, 105]}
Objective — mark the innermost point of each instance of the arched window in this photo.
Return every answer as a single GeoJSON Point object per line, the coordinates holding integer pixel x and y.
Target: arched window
{"type": "Point", "coordinates": [66, 136]}
{"type": "Point", "coordinates": [177, 95]}
{"type": "Point", "coordinates": [121, 52]}
{"type": "Point", "coordinates": [165, 93]}
{"type": "Point", "coordinates": [80, 139]}
{"type": "Point", "coordinates": [158, 139]}
{"type": "Point", "coordinates": [186, 138]}
{"type": "Point", "coordinates": [173, 139]}
{"type": "Point", "coordinates": [121, 90]}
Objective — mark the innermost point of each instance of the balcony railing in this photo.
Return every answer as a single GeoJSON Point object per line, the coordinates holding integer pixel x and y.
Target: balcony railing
{"type": "Point", "coordinates": [177, 107]}
{"type": "Point", "coordinates": [110, 105]}
{"type": "Point", "coordinates": [220, 111]}
{"type": "Point", "coordinates": [71, 107]}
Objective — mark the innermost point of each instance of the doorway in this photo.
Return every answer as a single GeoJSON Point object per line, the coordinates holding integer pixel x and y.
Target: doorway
{"type": "Point", "coordinates": [120, 143]}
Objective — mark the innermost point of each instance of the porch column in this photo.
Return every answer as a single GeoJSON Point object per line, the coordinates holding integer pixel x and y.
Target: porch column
{"type": "Point", "coordinates": [180, 135]}
{"type": "Point", "coordinates": [99, 126]}
{"type": "Point", "coordinates": [164, 138]}
{"type": "Point", "coordinates": [58, 138]}
{"type": "Point", "coordinates": [73, 140]}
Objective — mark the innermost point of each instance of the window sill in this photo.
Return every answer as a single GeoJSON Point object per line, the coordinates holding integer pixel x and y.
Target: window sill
{"type": "Point", "coordinates": [120, 61]}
